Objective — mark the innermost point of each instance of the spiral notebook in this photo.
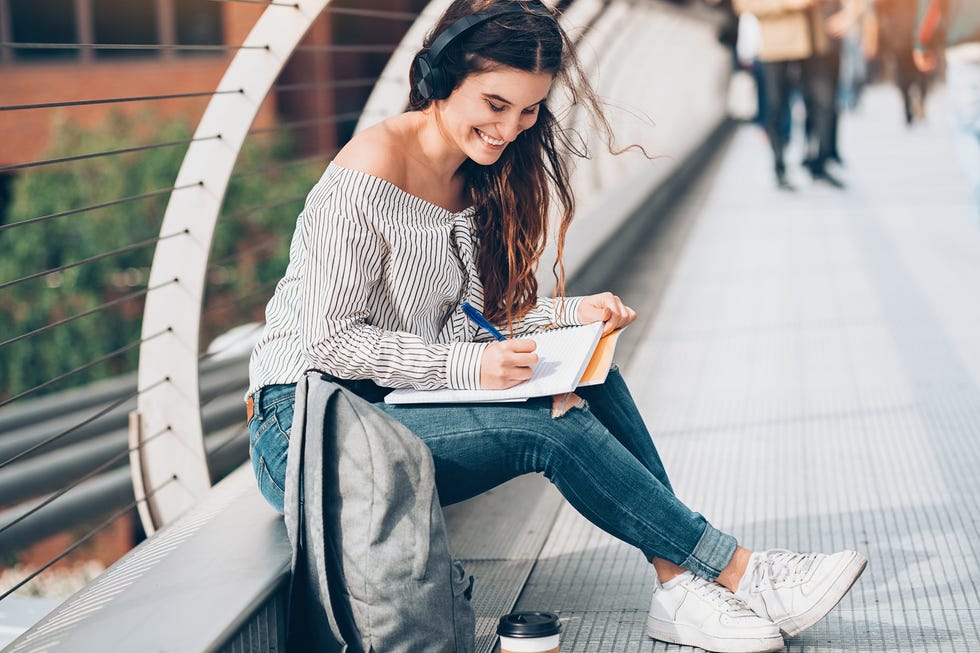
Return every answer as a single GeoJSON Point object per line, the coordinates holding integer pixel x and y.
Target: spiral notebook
{"type": "Point", "coordinates": [564, 357]}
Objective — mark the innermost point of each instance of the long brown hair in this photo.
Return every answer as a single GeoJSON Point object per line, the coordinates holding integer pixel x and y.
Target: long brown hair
{"type": "Point", "coordinates": [513, 196]}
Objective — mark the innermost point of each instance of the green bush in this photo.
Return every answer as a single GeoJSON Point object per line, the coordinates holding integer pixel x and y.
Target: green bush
{"type": "Point", "coordinates": [49, 244]}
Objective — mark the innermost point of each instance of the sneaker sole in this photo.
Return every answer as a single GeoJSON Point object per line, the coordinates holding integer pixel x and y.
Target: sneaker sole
{"type": "Point", "coordinates": [849, 574]}
{"type": "Point", "coordinates": [668, 631]}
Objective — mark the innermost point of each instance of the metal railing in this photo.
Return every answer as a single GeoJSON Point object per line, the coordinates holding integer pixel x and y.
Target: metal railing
{"type": "Point", "coordinates": [70, 446]}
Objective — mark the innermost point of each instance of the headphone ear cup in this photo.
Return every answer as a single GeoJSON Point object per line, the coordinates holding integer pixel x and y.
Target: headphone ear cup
{"type": "Point", "coordinates": [423, 76]}
{"type": "Point", "coordinates": [430, 81]}
{"type": "Point", "coordinates": [439, 84]}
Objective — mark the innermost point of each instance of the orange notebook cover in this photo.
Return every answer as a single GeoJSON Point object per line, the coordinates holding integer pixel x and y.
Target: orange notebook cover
{"type": "Point", "coordinates": [598, 367]}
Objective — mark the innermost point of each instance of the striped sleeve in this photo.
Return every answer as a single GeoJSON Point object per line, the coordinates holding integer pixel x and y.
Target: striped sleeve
{"type": "Point", "coordinates": [344, 247]}
{"type": "Point", "coordinates": [549, 313]}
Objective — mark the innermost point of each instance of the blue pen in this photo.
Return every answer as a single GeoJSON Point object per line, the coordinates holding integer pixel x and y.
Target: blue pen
{"type": "Point", "coordinates": [478, 319]}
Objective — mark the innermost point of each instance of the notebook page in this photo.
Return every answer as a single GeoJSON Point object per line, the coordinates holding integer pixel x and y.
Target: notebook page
{"type": "Point", "coordinates": [562, 357]}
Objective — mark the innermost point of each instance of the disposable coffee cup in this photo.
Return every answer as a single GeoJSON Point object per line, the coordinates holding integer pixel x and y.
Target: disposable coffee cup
{"type": "Point", "coordinates": [529, 632]}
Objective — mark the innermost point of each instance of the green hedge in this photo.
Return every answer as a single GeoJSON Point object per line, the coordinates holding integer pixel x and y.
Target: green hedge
{"type": "Point", "coordinates": [251, 244]}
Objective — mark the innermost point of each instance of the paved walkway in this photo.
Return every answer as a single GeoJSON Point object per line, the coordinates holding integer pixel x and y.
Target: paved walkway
{"type": "Point", "coordinates": [812, 374]}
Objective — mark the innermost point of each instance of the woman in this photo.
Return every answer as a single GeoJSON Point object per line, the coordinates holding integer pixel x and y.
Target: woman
{"type": "Point", "coordinates": [447, 203]}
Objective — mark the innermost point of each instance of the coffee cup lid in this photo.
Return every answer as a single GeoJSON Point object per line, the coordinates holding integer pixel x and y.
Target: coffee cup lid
{"type": "Point", "coordinates": [529, 624]}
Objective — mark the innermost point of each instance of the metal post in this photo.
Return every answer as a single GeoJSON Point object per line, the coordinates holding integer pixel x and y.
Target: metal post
{"type": "Point", "coordinates": [85, 28]}
{"type": "Point", "coordinates": [6, 56]}
{"type": "Point", "coordinates": [166, 26]}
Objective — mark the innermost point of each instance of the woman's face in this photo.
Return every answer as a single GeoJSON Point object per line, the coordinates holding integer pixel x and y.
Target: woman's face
{"type": "Point", "coordinates": [488, 110]}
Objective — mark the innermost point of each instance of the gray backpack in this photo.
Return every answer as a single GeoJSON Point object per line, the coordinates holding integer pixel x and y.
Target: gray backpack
{"type": "Point", "coordinates": [371, 567]}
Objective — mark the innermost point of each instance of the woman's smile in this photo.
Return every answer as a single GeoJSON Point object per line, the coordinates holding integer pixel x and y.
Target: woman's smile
{"type": "Point", "coordinates": [494, 143]}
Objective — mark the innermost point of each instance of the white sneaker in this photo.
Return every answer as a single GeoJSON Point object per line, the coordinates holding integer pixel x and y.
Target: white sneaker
{"type": "Point", "coordinates": [796, 590]}
{"type": "Point", "coordinates": [698, 612]}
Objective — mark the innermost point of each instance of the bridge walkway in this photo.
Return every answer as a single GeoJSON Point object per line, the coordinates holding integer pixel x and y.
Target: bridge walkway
{"type": "Point", "coordinates": [810, 365]}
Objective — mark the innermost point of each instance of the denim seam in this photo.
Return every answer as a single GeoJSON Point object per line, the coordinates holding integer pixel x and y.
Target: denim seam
{"type": "Point", "coordinates": [275, 402]}
{"type": "Point", "coordinates": [268, 474]}
{"type": "Point", "coordinates": [270, 423]}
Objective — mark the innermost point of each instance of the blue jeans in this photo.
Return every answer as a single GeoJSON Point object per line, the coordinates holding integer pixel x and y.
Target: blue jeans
{"type": "Point", "coordinates": [599, 455]}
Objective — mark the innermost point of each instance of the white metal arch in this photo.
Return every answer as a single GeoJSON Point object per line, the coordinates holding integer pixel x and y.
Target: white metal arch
{"type": "Point", "coordinates": [169, 406]}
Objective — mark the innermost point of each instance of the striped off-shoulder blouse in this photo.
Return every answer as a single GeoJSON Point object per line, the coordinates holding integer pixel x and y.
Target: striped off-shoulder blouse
{"type": "Point", "coordinates": [374, 288]}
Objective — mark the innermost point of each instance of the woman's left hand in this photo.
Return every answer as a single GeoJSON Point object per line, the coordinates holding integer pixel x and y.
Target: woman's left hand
{"type": "Point", "coordinates": [607, 308]}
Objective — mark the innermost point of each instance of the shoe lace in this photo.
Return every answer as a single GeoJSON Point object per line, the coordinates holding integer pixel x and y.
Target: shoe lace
{"type": "Point", "coordinates": [717, 595]}
{"type": "Point", "coordinates": [780, 566]}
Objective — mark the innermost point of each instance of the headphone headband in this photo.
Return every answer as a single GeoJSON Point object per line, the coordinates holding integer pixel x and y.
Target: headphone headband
{"type": "Point", "coordinates": [465, 24]}
{"type": "Point", "coordinates": [430, 80]}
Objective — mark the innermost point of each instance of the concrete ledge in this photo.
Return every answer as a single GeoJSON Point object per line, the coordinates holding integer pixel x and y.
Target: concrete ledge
{"type": "Point", "coordinates": [189, 588]}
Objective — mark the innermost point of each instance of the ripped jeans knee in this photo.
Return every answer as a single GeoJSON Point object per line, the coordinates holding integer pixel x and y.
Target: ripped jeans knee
{"type": "Point", "coordinates": [561, 404]}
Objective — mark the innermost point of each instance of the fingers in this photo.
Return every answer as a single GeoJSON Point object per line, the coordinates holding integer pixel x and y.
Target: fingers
{"type": "Point", "coordinates": [507, 363]}
{"type": "Point", "coordinates": [612, 311]}
{"type": "Point", "coordinates": [519, 353]}
{"type": "Point", "coordinates": [519, 345]}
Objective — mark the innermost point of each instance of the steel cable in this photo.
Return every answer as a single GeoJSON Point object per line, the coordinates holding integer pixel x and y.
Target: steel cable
{"type": "Point", "coordinates": [91, 259]}
{"type": "Point", "coordinates": [96, 309]}
{"type": "Point", "coordinates": [337, 118]}
{"type": "Point", "coordinates": [88, 420]}
{"type": "Point", "coordinates": [368, 13]}
{"type": "Point", "coordinates": [93, 155]}
{"type": "Point", "coordinates": [128, 46]}
{"type": "Point", "coordinates": [340, 83]}
{"type": "Point", "coordinates": [80, 369]}
{"type": "Point", "coordinates": [117, 100]}
{"type": "Point", "coordinates": [101, 468]}
{"type": "Point", "coordinates": [86, 209]}
{"type": "Point", "coordinates": [101, 527]}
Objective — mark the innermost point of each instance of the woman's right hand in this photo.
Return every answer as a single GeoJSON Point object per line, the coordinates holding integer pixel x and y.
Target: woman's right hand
{"type": "Point", "coordinates": [507, 363]}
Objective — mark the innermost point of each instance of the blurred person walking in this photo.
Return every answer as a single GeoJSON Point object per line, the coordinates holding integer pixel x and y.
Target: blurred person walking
{"type": "Point", "coordinates": [794, 34]}
{"type": "Point", "coordinates": [955, 25]}
{"type": "Point", "coordinates": [839, 17]}
{"type": "Point", "coordinates": [896, 24]}
{"type": "Point", "coordinates": [747, 52]}
{"type": "Point", "coordinates": [858, 45]}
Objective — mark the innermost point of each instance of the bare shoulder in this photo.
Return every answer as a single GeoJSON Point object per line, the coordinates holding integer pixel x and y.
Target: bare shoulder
{"type": "Point", "coordinates": [378, 151]}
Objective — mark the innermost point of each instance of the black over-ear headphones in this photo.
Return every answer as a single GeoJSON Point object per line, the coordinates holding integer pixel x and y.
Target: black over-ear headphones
{"type": "Point", "coordinates": [431, 80]}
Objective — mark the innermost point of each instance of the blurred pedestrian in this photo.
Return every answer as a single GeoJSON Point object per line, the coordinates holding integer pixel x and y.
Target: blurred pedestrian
{"type": "Point", "coordinates": [728, 27]}
{"type": "Point", "coordinates": [839, 17]}
{"type": "Point", "coordinates": [896, 23]}
{"type": "Point", "coordinates": [955, 25]}
{"type": "Point", "coordinates": [857, 46]}
{"type": "Point", "coordinates": [794, 34]}
{"type": "Point", "coordinates": [747, 51]}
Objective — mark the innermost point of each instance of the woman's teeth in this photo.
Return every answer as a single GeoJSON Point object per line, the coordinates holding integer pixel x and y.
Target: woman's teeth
{"type": "Point", "coordinates": [490, 141]}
